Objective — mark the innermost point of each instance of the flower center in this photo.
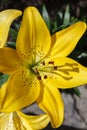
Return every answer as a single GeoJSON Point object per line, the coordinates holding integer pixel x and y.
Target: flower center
{"type": "Point", "coordinates": [47, 70]}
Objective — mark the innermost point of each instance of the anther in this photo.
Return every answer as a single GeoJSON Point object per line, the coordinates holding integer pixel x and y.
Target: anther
{"type": "Point", "coordinates": [45, 76]}
{"type": "Point", "coordinates": [51, 62]}
{"type": "Point", "coordinates": [55, 67]}
{"type": "Point", "coordinates": [39, 77]}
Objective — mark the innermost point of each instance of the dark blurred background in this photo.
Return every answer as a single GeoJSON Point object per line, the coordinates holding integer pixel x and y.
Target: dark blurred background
{"type": "Point", "coordinates": [78, 6]}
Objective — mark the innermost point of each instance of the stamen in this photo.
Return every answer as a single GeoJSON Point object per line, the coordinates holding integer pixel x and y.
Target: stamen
{"type": "Point", "coordinates": [73, 68]}
{"type": "Point", "coordinates": [66, 78]}
{"type": "Point", "coordinates": [62, 70]}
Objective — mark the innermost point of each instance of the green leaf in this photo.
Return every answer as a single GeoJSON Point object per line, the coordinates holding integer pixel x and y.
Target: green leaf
{"type": "Point", "coordinates": [13, 33]}
{"type": "Point", "coordinates": [3, 79]}
{"type": "Point", "coordinates": [60, 15]}
{"type": "Point", "coordinates": [46, 17]}
{"type": "Point", "coordinates": [71, 91]}
{"type": "Point", "coordinates": [11, 45]}
{"type": "Point", "coordinates": [66, 20]}
{"type": "Point", "coordinates": [54, 27]}
{"type": "Point", "coordinates": [17, 26]}
{"type": "Point", "coordinates": [82, 55]}
{"type": "Point", "coordinates": [77, 92]}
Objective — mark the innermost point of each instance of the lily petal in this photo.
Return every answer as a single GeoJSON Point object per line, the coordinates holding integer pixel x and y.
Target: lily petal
{"type": "Point", "coordinates": [35, 122]}
{"type": "Point", "coordinates": [65, 41]}
{"type": "Point", "coordinates": [51, 102]}
{"type": "Point", "coordinates": [10, 121]}
{"type": "Point", "coordinates": [18, 120]}
{"type": "Point", "coordinates": [6, 18]}
{"type": "Point", "coordinates": [19, 91]}
{"type": "Point", "coordinates": [33, 41]}
{"type": "Point", "coordinates": [9, 60]}
{"type": "Point", "coordinates": [66, 73]}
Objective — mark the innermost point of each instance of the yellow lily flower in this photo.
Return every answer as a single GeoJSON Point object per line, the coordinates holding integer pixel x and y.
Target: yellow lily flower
{"type": "Point", "coordinates": [17, 120]}
{"type": "Point", "coordinates": [39, 64]}
{"type": "Point", "coordinates": [6, 18]}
